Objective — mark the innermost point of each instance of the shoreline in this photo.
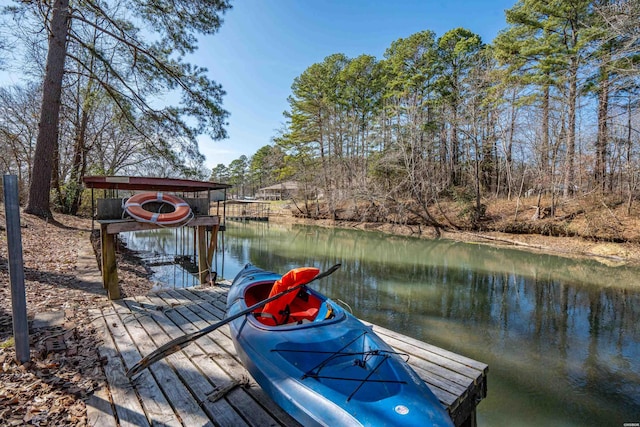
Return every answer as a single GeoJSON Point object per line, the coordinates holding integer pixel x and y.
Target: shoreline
{"type": "Point", "coordinates": [608, 253]}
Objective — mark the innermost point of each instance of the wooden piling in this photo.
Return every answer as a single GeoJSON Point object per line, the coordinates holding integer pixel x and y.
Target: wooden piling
{"type": "Point", "coordinates": [109, 229]}
{"type": "Point", "coordinates": [203, 268]}
{"type": "Point", "coordinates": [109, 266]}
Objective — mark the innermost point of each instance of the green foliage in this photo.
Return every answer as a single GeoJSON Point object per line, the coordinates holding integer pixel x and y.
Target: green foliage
{"type": "Point", "coordinates": [220, 173]}
{"type": "Point", "coordinates": [457, 50]}
{"type": "Point", "coordinates": [238, 170]}
{"type": "Point", "coordinates": [66, 203]}
{"type": "Point", "coordinates": [9, 342]}
{"type": "Point", "coordinates": [411, 65]}
{"type": "Point", "coordinates": [542, 38]}
{"type": "Point", "coordinates": [178, 21]}
{"type": "Point", "coordinates": [265, 166]}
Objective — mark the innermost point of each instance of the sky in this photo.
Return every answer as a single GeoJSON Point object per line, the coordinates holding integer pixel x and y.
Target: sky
{"type": "Point", "coordinates": [263, 45]}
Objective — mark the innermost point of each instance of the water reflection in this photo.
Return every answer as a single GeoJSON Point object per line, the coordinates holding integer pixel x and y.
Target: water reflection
{"type": "Point", "coordinates": [559, 335]}
{"type": "Point", "coordinates": [159, 249]}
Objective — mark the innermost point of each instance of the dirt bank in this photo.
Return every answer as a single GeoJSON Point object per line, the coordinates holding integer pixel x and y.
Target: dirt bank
{"type": "Point", "coordinates": [593, 229]}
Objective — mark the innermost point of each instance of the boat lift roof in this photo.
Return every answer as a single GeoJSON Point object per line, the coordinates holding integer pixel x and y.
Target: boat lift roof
{"type": "Point", "coordinates": [149, 183]}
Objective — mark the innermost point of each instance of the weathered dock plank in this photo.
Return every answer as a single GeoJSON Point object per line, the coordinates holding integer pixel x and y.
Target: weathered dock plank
{"type": "Point", "coordinates": [208, 353]}
{"type": "Point", "coordinates": [204, 314]}
{"type": "Point", "coordinates": [99, 409]}
{"type": "Point", "coordinates": [205, 383]}
{"type": "Point", "coordinates": [447, 374]}
{"type": "Point", "coordinates": [156, 406]}
{"type": "Point", "coordinates": [141, 328]}
{"type": "Point", "coordinates": [125, 401]}
{"type": "Point", "coordinates": [195, 371]}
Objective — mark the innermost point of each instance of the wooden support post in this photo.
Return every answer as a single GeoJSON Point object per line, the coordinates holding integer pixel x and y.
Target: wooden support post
{"type": "Point", "coordinates": [16, 268]}
{"type": "Point", "coordinates": [109, 267]}
{"type": "Point", "coordinates": [203, 268]}
{"type": "Point", "coordinates": [195, 245]}
{"type": "Point", "coordinates": [213, 244]}
{"type": "Point", "coordinates": [103, 251]}
{"type": "Point", "coordinates": [109, 229]}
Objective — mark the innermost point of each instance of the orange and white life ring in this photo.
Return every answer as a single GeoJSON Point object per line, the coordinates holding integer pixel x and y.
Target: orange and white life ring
{"type": "Point", "coordinates": [134, 206]}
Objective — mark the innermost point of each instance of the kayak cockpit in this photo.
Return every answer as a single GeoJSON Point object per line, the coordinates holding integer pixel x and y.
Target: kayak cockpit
{"type": "Point", "coordinates": [305, 306]}
{"type": "Point", "coordinates": [352, 364]}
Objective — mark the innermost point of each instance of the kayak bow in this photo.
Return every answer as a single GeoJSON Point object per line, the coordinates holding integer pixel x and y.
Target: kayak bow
{"type": "Point", "coordinates": [322, 365]}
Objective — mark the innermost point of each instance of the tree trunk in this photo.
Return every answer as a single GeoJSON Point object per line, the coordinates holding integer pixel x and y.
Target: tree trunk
{"type": "Point", "coordinates": [509, 151]}
{"type": "Point", "coordinates": [601, 141]}
{"type": "Point", "coordinates": [79, 166]}
{"type": "Point", "coordinates": [571, 129]}
{"type": "Point", "coordinates": [544, 157]}
{"type": "Point", "coordinates": [455, 149]}
{"type": "Point", "coordinates": [445, 176]}
{"type": "Point", "coordinates": [56, 185]}
{"type": "Point", "coordinates": [489, 178]}
{"type": "Point", "coordinates": [631, 176]}
{"type": "Point", "coordinates": [39, 197]}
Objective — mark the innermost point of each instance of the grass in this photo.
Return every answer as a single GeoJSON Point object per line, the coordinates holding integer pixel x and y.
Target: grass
{"type": "Point", "coordinates": [9, 342]}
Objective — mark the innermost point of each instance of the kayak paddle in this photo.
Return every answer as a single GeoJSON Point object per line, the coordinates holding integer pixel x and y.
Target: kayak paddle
{"type": "Point", "coordinates": [179, 343]}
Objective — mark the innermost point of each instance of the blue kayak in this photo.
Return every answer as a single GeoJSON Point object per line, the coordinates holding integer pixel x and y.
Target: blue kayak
{"type": "Point", "coordinates": [322, 365]}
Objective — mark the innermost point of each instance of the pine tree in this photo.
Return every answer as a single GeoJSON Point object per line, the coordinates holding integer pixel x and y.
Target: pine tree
{"type": "Point", "coordinates": [129, 70]}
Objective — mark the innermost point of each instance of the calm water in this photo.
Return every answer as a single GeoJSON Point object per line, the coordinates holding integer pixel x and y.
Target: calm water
{"type": "Point", "coordinates": [560, 336]}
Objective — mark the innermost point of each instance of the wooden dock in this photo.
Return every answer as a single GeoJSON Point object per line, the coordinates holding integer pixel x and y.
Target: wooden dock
{"type": "Point", "coordinates": [109, 230]}
{"type": "Point", "coordinates": [205, 383]}
{"type": "Point", "coordinates": [247, 210]}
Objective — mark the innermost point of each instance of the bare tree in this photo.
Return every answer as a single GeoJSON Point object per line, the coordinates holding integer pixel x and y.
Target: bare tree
{"type": "Point", "coordinates": [103, 41]}
{"type": "Point", "coordinates": [18, 129]}
{"type": "Point", "coordinates": [39, 195]}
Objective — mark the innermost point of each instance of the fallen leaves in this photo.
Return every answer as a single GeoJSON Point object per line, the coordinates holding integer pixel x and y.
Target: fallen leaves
{"type": "Point", "coordinates": [65, 367]}
{"type": "Point", "coordinates": [52, 388]}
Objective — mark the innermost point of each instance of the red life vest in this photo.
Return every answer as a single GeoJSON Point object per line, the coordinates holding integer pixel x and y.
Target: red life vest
{"type": "Point", "coordinates": [279, 307]}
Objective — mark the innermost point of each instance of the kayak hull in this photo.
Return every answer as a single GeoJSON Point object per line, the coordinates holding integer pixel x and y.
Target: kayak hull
{"type": "Point", "coordinates": [327, 369]}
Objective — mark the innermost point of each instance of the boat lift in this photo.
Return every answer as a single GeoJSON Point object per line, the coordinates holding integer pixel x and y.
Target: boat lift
{"type": "Point", "coordinates": [109, 213]}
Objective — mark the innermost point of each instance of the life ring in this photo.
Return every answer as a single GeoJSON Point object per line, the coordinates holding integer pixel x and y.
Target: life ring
{"type": "Point", "coordinates": [134, 206]}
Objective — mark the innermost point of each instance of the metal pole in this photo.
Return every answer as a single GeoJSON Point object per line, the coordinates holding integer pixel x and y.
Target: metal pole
{"type": "Point", "coordinates": [16, 268]}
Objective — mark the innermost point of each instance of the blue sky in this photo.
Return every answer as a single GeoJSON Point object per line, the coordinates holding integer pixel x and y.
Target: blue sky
{"type": "Point", "coordinates": [264, 45]}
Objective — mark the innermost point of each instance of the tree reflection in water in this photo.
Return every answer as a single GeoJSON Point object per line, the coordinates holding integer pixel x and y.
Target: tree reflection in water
{"type": "Point", "coordinates": [560, 335]}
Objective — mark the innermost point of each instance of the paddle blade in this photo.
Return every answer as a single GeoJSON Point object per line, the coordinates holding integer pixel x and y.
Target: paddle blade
{"type": "Point", "coordinates": [160, 353]}
{"type": "Point", "coordinates": [328, 272]}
